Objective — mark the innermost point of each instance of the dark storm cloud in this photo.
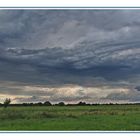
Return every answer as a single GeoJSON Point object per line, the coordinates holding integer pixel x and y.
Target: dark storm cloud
{"type": "Point", "coordinates": [130, 97]}
{"type": "Point", "coordinates": [137, 88]}
{"type": "Point", "coordinates": [79, 47]}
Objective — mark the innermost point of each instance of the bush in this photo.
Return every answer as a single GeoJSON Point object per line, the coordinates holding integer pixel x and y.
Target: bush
{"type": "Point", "coordinates": [47, 103]}
{"type": "Point", "coordinates": [61, 104]}
{"type": "Point", "coordinates": [81, 103]}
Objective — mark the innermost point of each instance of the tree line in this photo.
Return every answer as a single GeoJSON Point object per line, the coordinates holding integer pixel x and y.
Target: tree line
{"type": "Point", "coordinates": [7, 102]}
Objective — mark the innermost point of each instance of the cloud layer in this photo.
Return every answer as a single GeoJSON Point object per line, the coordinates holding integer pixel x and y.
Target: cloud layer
{"type": "Point", "coordinates": [61, 50]}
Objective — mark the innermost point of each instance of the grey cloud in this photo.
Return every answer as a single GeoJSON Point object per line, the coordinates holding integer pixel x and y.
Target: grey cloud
{"type": "Point", "coordinates": [33, 99]}
{"type": "Point", "coordinates": [137, 88]}
{"type": "Point", "coordinates": [69, 99]}
{"type": "Point", "coordinates": [81, 47]}
{"type": "Point", "coordinates": [130, 97]}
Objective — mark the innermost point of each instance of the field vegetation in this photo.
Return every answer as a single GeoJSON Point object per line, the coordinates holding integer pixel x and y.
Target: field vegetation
{"type": "Point", "coordinates": [70, 117]}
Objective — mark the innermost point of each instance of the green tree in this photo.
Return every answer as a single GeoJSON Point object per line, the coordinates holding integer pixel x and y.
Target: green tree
{"type": "Point", "coordinates": [7, 101]}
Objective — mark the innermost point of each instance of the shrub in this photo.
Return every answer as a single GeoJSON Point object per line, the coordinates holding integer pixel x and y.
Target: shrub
{"type": "Point", "coordinates": [61, 104]}
{"type": "Point", "coordinates": [81, 103]}
{"type": "Point", "coordinates": [47, 103]}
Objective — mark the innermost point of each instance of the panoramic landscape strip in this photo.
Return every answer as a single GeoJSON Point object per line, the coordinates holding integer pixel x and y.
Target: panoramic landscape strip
{"type": "Point", "coordinates": [70, 69]}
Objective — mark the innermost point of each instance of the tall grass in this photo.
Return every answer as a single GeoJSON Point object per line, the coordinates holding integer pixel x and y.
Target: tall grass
{"type": "Point", "coordinates": [102, 117]}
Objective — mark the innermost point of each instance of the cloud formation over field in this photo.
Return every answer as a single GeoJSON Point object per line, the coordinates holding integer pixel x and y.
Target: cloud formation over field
{"type": "Point", "coordinates": [66, 55]}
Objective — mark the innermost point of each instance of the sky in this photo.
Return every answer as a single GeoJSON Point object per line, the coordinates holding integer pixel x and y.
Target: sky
{"type": "Point", "coordinates": [70, 55]}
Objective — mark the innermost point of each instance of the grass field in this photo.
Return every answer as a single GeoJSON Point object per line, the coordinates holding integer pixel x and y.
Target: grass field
{"type": "Point", "coordinates": [100, 117]}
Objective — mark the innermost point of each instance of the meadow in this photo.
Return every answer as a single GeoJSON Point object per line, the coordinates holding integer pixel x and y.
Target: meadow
{"type": "Point", "coordinates": [95, 117]}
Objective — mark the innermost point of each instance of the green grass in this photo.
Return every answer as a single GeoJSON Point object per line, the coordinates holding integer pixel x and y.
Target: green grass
{"type": "Point", "coordinates": [100, 117]}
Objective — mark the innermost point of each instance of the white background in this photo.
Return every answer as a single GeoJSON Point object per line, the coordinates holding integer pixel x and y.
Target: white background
{"type": "Point", "coordinates": [69, 3]}
{"type": "Point", "coordinates": [70, 136]}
